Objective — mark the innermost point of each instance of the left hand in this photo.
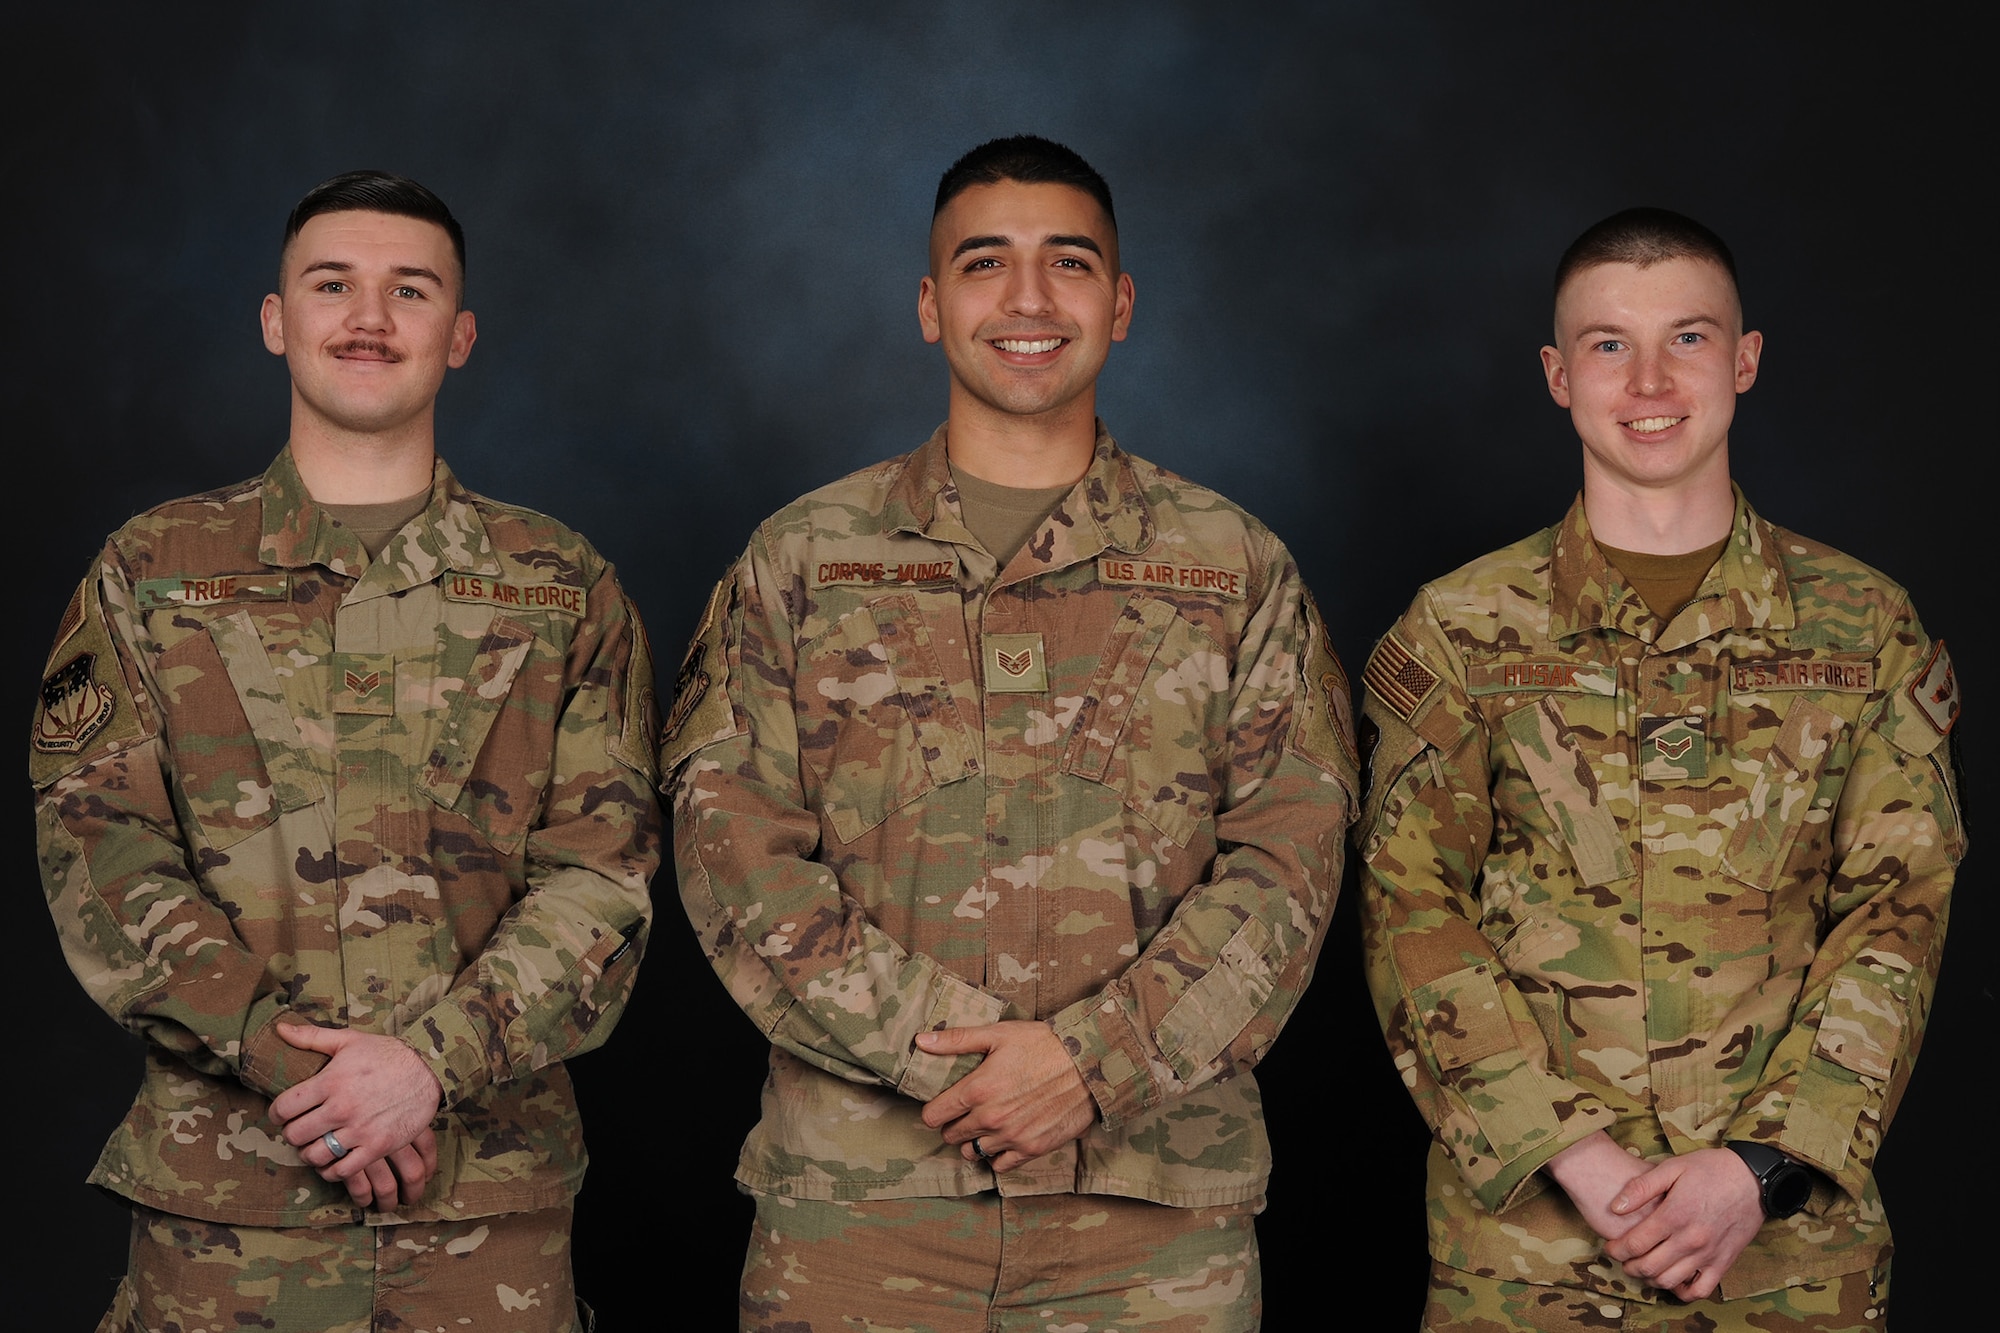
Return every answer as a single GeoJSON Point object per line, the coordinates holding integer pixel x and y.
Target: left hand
{"type": "Point", "coordinates": [1708, 1209]}
{"type": "Point", "coordinates": [377, 1098]}
{"type": "Point", "coordinates": [1023, 1100]}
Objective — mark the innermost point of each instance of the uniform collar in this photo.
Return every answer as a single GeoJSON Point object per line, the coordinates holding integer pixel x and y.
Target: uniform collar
{"type": "Point", "coordinates": [448, 535]}
{"type": "Point", "coordinates": [1104, 510]}
{"type": "Point", "coordinates": [1746, 589]}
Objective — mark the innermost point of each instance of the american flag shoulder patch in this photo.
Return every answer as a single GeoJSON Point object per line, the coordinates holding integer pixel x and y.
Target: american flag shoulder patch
{"type": "Point", "coordinates": [1397, 678]}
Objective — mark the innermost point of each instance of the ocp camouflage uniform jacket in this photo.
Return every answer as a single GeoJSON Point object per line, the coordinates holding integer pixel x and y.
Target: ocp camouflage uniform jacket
{"type": "Point", "coordinates": [1683, 882]}
{"type": "Point", "coordinates": [411, 796]}
{"type": "Point", "coordinates": [1106, 789]}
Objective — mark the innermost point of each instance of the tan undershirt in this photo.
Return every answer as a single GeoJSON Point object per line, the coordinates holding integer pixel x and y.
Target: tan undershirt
{"type": "Point", "coordinates": [1003, 517]}
{"type": "Point", "coordinates": [375, 524]}
{"type": "Point", "coordinates": [1667, 582]}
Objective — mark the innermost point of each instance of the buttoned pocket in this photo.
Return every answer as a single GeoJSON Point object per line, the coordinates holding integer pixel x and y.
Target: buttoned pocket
{"type": "Point", "coordinates": [1155, 713]}
{"type": "Point", "coordinates": [237, 757]}
{"type": "Point", "coordinates": [877, 724]}
{"type": "Point", "coordinates": [1782, 797]}
{"type": "Point", "coordinates": [501, 693]}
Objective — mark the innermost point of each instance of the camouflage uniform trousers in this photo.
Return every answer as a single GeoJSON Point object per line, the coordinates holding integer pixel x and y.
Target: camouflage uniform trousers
{"type": "Point", "coordinates": [1467, 1303]}
{"type": "Point", "coordinates": [984, 1263]}
{"type": "Point", "coordinates": [503, 1274]}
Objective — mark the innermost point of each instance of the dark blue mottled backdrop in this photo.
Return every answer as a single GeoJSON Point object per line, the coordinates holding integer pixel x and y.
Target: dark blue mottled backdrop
{"type": "Point", "coordinates": [695, 237]}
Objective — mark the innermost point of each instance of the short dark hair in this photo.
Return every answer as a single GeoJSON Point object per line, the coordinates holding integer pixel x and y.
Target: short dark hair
{"type": "Point", "coordinates": [1030, 160]}
{"type": "Point", "coordinates": [1643, 237]}
{"type": "Point", "coordinates": [375, 192]}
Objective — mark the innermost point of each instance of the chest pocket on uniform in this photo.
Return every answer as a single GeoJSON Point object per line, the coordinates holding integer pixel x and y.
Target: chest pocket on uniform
{"type": "Point", "coordinates": [877, 724]}
{"type": "Point", "coordinates": [1579, 818]}
{"type": "Point", "coordinates": [235, 744]}
{"type": "Point", "coordinates": [1155, 714]}
{"type": "Point", "coordinates": [1781, 795]}
{"type": "Point", "coordinates": [503, 691]}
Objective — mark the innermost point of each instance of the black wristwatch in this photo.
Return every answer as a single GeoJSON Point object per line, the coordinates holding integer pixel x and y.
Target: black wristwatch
{"type": "Point", "coordinates": [1783, 1184]}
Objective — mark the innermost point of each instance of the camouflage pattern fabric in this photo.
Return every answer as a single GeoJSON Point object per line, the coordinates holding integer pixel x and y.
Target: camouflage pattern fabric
{"type": "Point", "coordinates": [1104, 787]}
{"type": "Point", "coordinates": [507, 1274]}
{"type": "Point", "coordinates": [1466, 1303]}
{"type": "Point", "coordinates": [1028, 1263]}
{"type": "Point", "coordinates": [276, 781]}
{"type": "Point", "coordinates": [1684, 882]}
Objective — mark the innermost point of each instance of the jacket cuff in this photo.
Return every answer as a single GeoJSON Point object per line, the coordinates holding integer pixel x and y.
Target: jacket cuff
{"type": "Point", "coordinates": [1110, 1055]}
{"type": "Point", "coordinates": [957, 1005]}
{"type": "Point", "coordinates": [454, 1048]}
{"type": "Point", "coordinates": [269, 1063]}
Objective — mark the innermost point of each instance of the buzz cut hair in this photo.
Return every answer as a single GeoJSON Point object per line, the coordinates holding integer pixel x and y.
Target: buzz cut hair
{"type": "Point", "coordinates": [374, 192]}
{"type": "Point", "coordinates": [1027, 159]}
{"type": "Point", "coordinates": [1643, 237]}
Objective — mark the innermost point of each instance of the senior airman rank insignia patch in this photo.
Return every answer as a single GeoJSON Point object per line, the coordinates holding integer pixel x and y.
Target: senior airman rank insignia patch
{"type": "Point", "coordinates": [1397, 678]}
{"type": "Point", "coordinates": [74, 706]}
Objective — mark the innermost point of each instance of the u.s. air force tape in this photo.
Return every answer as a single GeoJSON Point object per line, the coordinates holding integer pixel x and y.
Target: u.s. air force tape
{"type": "Point", "coordinates": [1397, 678]}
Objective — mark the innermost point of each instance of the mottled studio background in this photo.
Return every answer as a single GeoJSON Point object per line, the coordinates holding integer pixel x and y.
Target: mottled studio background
{"type": "Point", "coordinates": [695, 238]}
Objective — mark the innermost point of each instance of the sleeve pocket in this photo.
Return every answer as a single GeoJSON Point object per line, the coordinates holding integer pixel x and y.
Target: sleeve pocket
{"type": "Point", "coordinates": [1464, 1021]}
{"type": "Point", "coordinates": [1209, 1014]}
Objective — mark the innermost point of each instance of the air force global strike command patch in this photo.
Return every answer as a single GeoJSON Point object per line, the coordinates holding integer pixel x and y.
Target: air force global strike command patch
{"type": "Point", "coordinates": [74, 707]}
{"type": "Point", "coordinates": [84, 708]}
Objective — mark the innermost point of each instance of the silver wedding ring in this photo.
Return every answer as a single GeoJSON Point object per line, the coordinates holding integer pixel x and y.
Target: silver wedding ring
{"type": "Point", "coordinates": [333, 1145]}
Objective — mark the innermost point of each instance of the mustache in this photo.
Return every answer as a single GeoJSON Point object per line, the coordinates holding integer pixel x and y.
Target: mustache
{"type": "Point", "coordinates": [370, 346]}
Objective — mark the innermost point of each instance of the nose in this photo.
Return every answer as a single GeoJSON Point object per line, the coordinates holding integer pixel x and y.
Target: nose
{"type": "Point", "coordinates": [368, 312]}
{"type": "Point", "coordinates": [1650, 373]}
{"type": "Point", "coordinates": [1028, 291]}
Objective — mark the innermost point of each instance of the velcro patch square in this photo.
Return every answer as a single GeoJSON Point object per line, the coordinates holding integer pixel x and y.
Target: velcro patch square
{"type": "Point", "coordinates": [1015, 664]}
{"type": "Point", "coordinates": [1673, 749]}
{"type": "Point", "coordinates": [364, 683]}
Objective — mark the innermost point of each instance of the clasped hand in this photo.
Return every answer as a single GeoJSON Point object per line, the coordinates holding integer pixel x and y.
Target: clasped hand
{"type": "Point", "coordinates": [377, 1098]}
{"type": "Point", "coordinates": [1024, 1099]}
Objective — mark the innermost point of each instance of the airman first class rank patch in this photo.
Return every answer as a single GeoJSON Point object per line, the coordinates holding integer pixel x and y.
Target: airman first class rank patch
{"type": "Point", "coordinates": [1397, 678]}
{"type": "Point", "coordinates": [1673, 749]}
{"type": "Point", "coordinates": [74, 707]}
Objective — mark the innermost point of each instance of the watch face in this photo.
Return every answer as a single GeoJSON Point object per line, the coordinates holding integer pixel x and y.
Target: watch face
{"type": "Point", "coordinates": [1786, 1190]}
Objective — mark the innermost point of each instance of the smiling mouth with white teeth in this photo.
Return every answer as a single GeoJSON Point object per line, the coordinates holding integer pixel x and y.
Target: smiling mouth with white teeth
{"type": "Point", "coordinates": [1028, 346]}
{"type": "Point", "coordinates": [1652, 425]}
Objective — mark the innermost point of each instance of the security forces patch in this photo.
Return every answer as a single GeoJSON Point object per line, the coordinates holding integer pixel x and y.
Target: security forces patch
{"type": "Point", "coordinates": [1935, 691]}
{"type": "Point", "coordinates": [74, 707]}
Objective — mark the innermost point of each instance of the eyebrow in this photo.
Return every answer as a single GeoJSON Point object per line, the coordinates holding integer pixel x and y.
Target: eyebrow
{"type": "Point", "coordinates": [1619, 330]}
{"type": "Point", "coordinates": [1002, 242]}
{"type": "Point", "coordinates": [341, 266]}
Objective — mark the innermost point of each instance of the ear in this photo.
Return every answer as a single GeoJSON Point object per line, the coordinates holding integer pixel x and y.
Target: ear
{"type": "Point", "coordinates": [1557, 376]}
{"type": "Point", "coordinates": [927, 316]}
{"type": "Point", "coordinates": [272, 318]}
{"type": "Point", "coordinates": [464, 333]}
{"type": "Point", "coordinates": [1748, 349]}
{"type": "Point", "coordinates": [1121, 309]}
